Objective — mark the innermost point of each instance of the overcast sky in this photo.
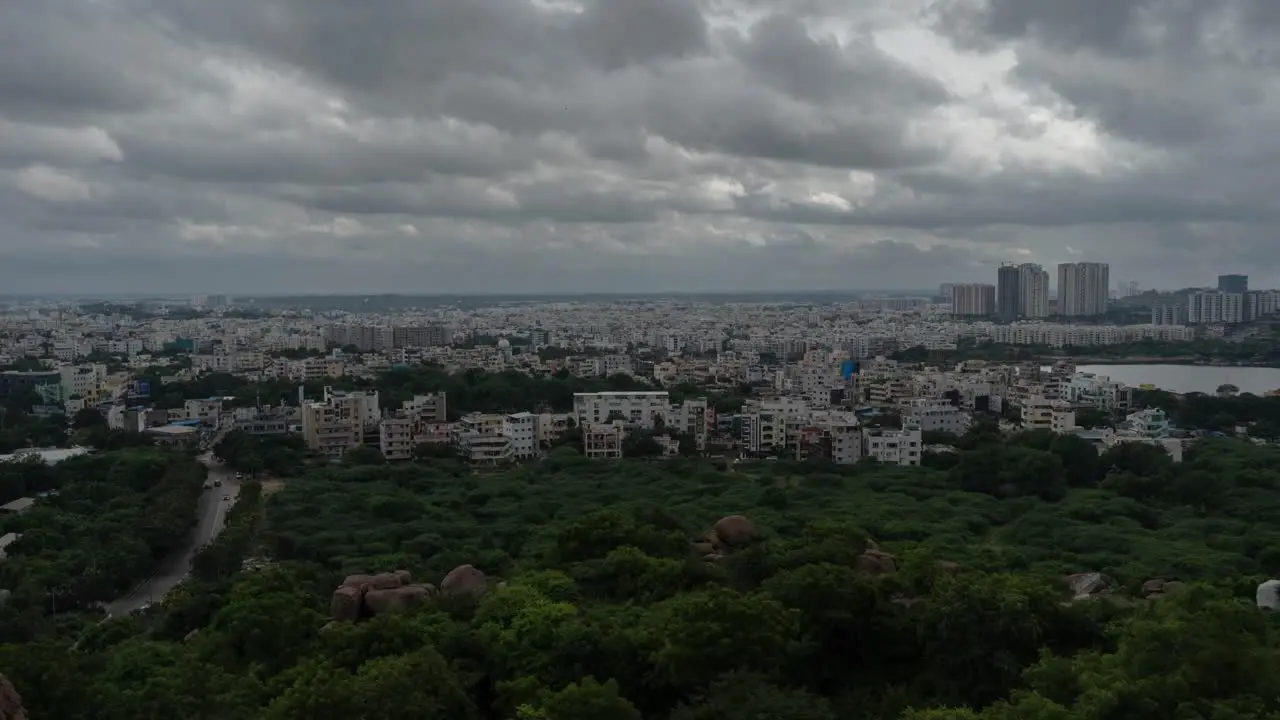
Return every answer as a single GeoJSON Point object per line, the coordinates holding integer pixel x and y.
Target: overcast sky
{"type": "Point", "coordinates": [597, 145]}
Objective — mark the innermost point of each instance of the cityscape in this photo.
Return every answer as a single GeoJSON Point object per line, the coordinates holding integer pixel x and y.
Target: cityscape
{"type": "Point", "coordinates": [639, 360]}
{"type": "Point", "coordinates": [794, 358]}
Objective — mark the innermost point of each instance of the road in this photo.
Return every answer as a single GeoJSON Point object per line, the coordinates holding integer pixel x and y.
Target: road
{"type": "Point", "coordinates": [211, 512]}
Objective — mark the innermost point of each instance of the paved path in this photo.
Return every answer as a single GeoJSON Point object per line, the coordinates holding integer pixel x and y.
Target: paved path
{"type": "Point", "coordinates": [211, 513]}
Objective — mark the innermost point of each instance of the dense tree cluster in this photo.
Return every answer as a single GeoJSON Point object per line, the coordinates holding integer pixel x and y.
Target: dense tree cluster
{"type": "Point", "coordinates": [279, 455]}
{"type": "Point", "coordinates": [100, 524]}
{"type": "Point", "coordinates": [21, 428]}
{"type": "Point", "coordinates": [606, 609]}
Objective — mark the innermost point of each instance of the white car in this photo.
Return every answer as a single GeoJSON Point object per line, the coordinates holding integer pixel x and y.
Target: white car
{"type": "Point", "coordinates": [239, 476]}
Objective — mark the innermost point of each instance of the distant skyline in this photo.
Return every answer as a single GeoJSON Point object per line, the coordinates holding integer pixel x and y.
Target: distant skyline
{"type": "Point", "coordinates": [519, 146]}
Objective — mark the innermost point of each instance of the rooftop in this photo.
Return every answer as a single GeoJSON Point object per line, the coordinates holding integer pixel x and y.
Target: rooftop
{"type": "Point", "coordinates": [607, 393]}
{"type": "Point", "coordinates": [172, 430]}
{"type": "Point", "coordinates": [51, 456]}
{"type": "Point", "coordinates": [18, 505]}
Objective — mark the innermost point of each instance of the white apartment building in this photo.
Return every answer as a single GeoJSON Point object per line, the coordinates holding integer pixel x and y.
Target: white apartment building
{"type": "Point", "coordinates": [314, 368]}
{"type": "Point", "coordinates": [87, 381]}
{"type": "Point", "coordinates": [891, 446]}
{"type": "Point", "coordinates": [1033, 291]}
{"type": "Point", "coordinates": [1098, 391]}
{"type": "Point", "coordinates": [1041, 413]}
{"type": "Point", "coordinates": [1084, 289]}
{"type": "Point", "coordinates": [932, 415]}
{"type": "Point", "coordinates": [207, 410]}
{"type": "Point", "coordinates": [395, 438]}
{"type": "Point", "coordinates": [695, 417]}
{"type": "Point", "coordinates": [642, 408]}
{"type": "Point", "coordinates": [1152, 424]}
{"type": "Point", "coordinates": [522, 430]}
{"type": "Point", "coordinates": [1213, 307]}
{"type": "Point", "coordinates": [1168, 314]}
{"type": "Point", "coordinates": [764, 423]}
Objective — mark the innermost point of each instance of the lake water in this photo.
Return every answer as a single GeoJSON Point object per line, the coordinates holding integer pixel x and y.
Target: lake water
{"type": "Point", "coordinates": [1190, 378]}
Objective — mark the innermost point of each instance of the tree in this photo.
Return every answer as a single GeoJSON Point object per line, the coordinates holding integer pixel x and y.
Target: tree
{"type": "Point", "coordinates": [740, 696]}
{"type": "Point", "coordinates": [697, 636]}
{"type": "Point", "coordinates": [588, 700]}
{"type": "Point", "coordinates": [1094, 417]}
{"type": "Point", "coordinates": [88, 418]}
{"type": "Point", "coordinates": [363, 455]}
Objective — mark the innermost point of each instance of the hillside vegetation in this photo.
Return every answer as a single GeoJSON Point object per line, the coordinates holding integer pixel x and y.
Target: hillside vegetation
{"type": "Point", "coordinates": [603, 602]}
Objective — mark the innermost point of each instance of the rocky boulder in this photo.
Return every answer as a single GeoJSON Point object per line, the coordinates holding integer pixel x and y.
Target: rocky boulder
{"type": "Point", "coordinates": [346, 603]}
{"type": "Point", "coordinates": [1156, 589]}
{"type": "Point", "coordinates": [1086, 586]}
{"type": "Point", "coordinates": [361, 596]}
{"type": "Point", "coordinates": [464, 580]}
{"type": "Point", "coordinates": [10, 701]}
{"type": "Point", "coordinates": [396, 599]}
{"type": "Point", "coordinates": [735, 531]}
{"type": "Point", "coordinates": [875, 562]}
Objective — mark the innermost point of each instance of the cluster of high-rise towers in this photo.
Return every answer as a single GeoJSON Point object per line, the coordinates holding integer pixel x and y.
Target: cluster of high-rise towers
{"type": "Point", "coordinates": [1021, 292]}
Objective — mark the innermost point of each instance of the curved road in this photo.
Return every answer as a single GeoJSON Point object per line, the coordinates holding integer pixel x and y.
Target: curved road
{"type": "Point", "coordinates": [211, 513]}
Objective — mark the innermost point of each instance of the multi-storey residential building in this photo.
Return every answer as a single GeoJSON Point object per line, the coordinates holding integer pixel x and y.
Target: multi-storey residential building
{"type": "Point", "coordinates": [1008, 289]}
{"type": "Point", "coordinates": [522, 429]}
{"type": "Point", "coordinates": [395, 437]}
{"type": "Point", "coordinates": [84, 381]}
{"type": "Point", "coordinates": [834, 436]}
{"type": "Point", "coordinates": [1168, 314]}
{"type": "Point", "coordinates": [973, 300]}
{"type": "Point", "coordinates": [694, 417]}
{"type": "Point", "coordinates": [1033, 291]}
{"type": "Point", "coordinates": [936, 416]}
{"type": "Point", "coordinates": [484, 449]}
{"type": "Point", "coordinates": [1098, 391]}
{"type": "Point", "coordinates": [1213, 307]}
{"type": "Point", "coordinates": [431, 408]}
{"type": "Point", "coordinates": [421, 337]}
{"type": "Point", "coordinates": [1084, 289]}
{"type": "Point", "coordinates": [334, 427]}
{"type": "Point", "coordinates": [265, 421]}
{"type": "Point", "coordinates": [643, 409]}
{"type": "Point", "coordinates": [1151, 423]}
{"type": "Point", "coordinates": [764, 423]}
{"type": "Point", "coordinates": [365, 400]}
{"type": "Point", "coordinates": [602, 442]}
{"type": "Point", "coordinates": [892, 446]}
{"type": "Point", "coordinates": [552, 427]}
{"type": "Point", "coordinates": [314, 368]}
{"type": "Point", "coordinates": [1041, 413]}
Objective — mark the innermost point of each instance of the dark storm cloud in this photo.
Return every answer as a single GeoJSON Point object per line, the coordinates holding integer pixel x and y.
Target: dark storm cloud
{"type": "Point", "coordinates": [632, 143]}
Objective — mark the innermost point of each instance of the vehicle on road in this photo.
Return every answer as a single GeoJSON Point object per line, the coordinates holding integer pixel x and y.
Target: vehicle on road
{"type": "Point", "coordinates": [226, 497]}
{"type": "Point", "coordinates": [217, 483]}
{"type": "Point", "coordinates": [239, 476]}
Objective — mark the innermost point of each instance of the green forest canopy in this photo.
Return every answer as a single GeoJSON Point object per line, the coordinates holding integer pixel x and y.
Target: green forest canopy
{"type": "Point", "coordinates": [605, 613]}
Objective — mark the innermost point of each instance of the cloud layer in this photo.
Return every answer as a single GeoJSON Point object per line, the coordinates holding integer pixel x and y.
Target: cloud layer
{"type": "Point", "coordinates": [597, 145]}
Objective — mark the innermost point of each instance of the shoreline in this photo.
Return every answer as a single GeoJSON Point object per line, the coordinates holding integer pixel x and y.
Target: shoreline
{"type": "Point", "coordinates": [1186, 361]}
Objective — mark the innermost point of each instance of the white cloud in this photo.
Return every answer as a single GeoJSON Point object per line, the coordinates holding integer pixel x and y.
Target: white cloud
{"type": "Point", "coordinates": [52, 185]}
